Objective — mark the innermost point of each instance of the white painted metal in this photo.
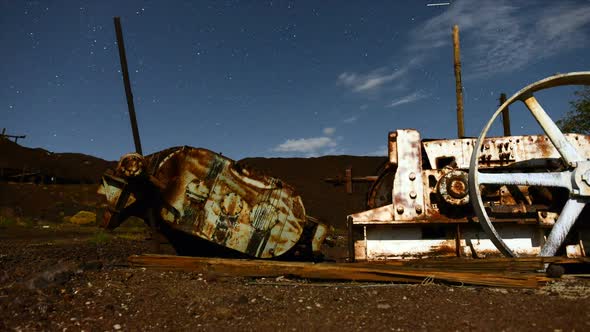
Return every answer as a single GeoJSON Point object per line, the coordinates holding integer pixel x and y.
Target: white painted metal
{"type": "Point", "coordinates": [549, 179]}
{"type": "Point", "coordinates": [567, 218]}
{"type": "Point", "coordinates": [566, 150]}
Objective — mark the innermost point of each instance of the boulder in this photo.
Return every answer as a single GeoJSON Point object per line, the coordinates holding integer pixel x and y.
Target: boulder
{"type": "Point", "coordinates": [83, 218]}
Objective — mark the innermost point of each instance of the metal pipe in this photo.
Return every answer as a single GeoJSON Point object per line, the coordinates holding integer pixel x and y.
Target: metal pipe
{"type": "Point", "coordinates": [126, 82]}
{"type": "Point", "coordinates": [505, 115]}
{"type": "Point", "coordinates": [458, 85]}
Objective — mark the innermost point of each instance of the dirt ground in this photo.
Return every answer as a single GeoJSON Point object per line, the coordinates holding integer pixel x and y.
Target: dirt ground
{"type": "Point", "coordinates": [56, 276]}
{"type": "Point", "coordinates": [73, 278]}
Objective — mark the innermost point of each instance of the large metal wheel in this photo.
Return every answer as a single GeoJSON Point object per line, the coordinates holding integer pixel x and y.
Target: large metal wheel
{"type": "Point", "coordinates": [575, 177]}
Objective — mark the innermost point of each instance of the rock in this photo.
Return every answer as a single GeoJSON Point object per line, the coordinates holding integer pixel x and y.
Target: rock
{"type": "Point", "coordinates": [383, 306]}
{"type": "Point", "coordinates": [7, 212]}
{"type": "Point", "coordinates": [57, 275]}
{"type": "Point", "coordinates": [91, 265]}
{"type": "Point", "coordinates": [83, 218]}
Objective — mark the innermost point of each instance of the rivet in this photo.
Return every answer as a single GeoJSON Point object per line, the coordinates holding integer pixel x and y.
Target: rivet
{"type": "Point", "coordinates": [412, 194]}
{"type": "Point", "coordinates": [418, 209]}
{"type": "Point", "coordinates": [400, 209]}
{"type": "Point", "coordinates": [412, 176]}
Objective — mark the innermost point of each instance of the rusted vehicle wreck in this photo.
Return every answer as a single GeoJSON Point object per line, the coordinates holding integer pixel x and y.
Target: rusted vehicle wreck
{"type": "Point", "coordinates": [191, 194]}
{"type": "Point", "coordinates": [490, 196]}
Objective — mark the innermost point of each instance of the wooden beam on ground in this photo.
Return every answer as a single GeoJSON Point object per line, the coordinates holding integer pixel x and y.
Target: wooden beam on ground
{"type": "Point", "coordinates": [338, 271]}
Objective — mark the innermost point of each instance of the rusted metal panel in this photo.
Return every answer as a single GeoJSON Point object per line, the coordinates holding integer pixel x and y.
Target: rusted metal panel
{"type": "Point", "coordinates": [536, 150]}
{"type": "Point", "coordinates": [260, 216]}
{"type": "Point", "coordinates": [408, 194]}
{"type": "Point", "coordinates": [382, 242]}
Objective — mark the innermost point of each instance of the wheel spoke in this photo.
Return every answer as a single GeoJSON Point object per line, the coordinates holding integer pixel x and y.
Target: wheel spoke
{"type": "Point", "coordinates": [566, 220]}
{"type": "Point", "coordinates": [550, 179]}
{"type": "Point", "coordinates": [566, 150]}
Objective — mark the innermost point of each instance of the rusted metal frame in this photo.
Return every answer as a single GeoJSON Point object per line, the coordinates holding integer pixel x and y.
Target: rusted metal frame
{"type": "Point", "coordinates": [458, 84]}
{"type": "Point", "coordinates": [568, 179]}
{"type": "Point", "coordinates": [348, 179]}
{"type": "Point", "coordinates": [16, 137]}
{"type": "Point", "coordinates": [127, 83]}
{"type": "Point", "coordinates": [350, 244]}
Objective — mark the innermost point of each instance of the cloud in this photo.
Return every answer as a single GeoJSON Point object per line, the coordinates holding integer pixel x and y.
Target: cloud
{"type": "Point", "coordinates": [497, 36]}
{"type": "Point", "coordinates": [352, 119]}
{"type": "Point", "coordinates": [329, 131]}
{"type": "Point", "coordinates": [379, 152]}
{"type": "Point", "coordinates": [503, 36]}
{"type": "Point", "coordinates": [306, 145]}
{"type": "Point", "coordinates": [372, 81]}
{"type": "Point", "coordinates": [407, 99]}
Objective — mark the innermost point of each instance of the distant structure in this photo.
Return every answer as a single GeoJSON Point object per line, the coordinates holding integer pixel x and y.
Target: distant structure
{"type": "Point", "coordinates": [16, 137]}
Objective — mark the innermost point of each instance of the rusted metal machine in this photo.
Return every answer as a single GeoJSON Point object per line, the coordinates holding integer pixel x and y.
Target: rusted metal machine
{"type": "Point", "coordinates": [191, 194]}
{"type": "Point", "coordinates": [509, 195]}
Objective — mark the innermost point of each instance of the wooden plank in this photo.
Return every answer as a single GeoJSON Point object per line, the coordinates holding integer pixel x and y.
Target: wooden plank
{"type": "Point", "coordinates": [522, 264]}
{"type": "Point", "coordinates": [336, 271]}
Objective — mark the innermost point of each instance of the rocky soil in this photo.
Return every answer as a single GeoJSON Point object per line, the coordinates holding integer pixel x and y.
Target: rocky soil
{"type": "Point", "coordinates": [76, 278]}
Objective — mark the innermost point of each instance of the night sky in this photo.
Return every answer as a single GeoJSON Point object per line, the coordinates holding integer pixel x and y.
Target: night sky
{"type": "Point", "coordinates": [275, 78]}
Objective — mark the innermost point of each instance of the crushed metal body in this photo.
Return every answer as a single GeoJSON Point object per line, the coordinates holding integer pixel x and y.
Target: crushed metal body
{"type": "Point", "coordinates": [204, 195]}
{"type": "Point", "coordinates": [491, 196]}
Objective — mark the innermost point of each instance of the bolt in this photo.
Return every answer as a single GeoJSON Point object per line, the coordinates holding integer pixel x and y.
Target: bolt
{"type": "Point", "coordinates": [412, 176]}
{"type": "Point", "coordinates": [457, 188]}
{"type": "Point", "coordinates": [400, 209]}
{"type": "Point", "coordinates": [418, 209]}
{"type": "Point", "coordinates": [412, 194]}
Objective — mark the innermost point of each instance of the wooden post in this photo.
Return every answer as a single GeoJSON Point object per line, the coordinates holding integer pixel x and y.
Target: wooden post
{"type": "Point", "coordinates": [126, 82]}
{"type": "Point", "coordinates": [22, 175]}
{"type": "Point", "coordinates": [348, 179]}
{"type": "Point", "coordinates": [458, 85]}
{"type": "Point", "coordinates": [505, 115]}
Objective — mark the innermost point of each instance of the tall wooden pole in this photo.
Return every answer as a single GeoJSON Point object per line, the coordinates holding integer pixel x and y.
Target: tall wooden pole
{"type": "Point", "coordinates": [505, 115]}
{"type": "Point", "coordinates": [125, 72]}
{"type": "Point", "coordinates": [458, 85]}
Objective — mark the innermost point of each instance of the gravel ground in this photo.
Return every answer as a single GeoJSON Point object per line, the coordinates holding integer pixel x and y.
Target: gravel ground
{"type": "Point", "coordinates": [70, 278]}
